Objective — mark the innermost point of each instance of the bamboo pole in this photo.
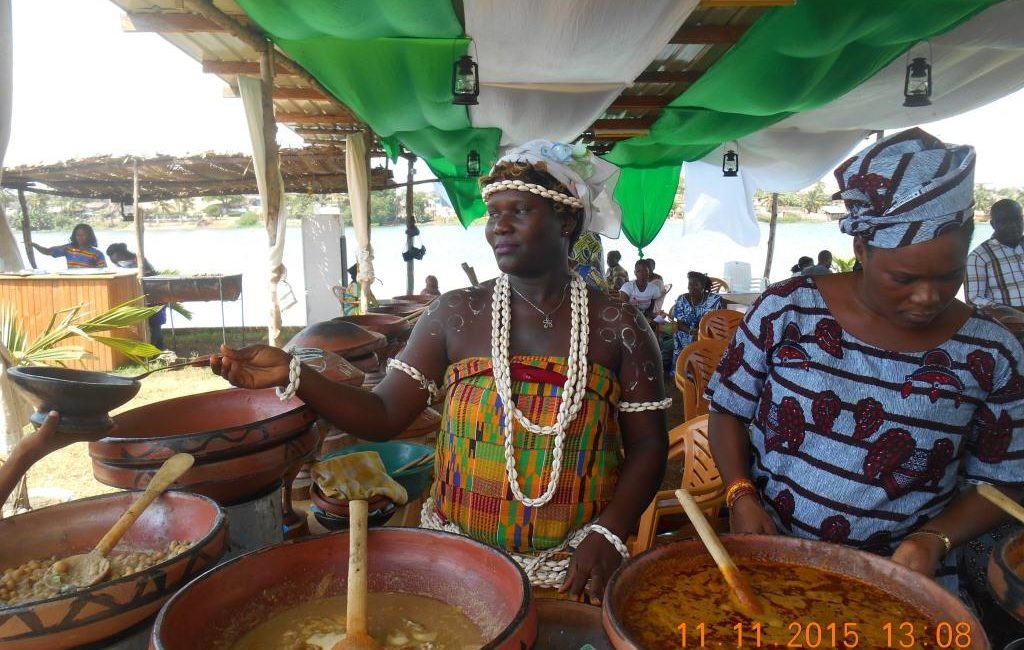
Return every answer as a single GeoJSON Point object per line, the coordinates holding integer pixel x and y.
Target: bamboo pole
{"type": "Point", "coordinates": [26, 228]}
{"type": "Point", "coordinates": [364, 286]}
{"type": "Point", "coordinates": [140, 256]}
{"type": "Point", "coordinates": [410, 224]}
{"type": "Point", "coordinates": [771, 236]}
{"type": "Point", "coordinates": [272, 183]}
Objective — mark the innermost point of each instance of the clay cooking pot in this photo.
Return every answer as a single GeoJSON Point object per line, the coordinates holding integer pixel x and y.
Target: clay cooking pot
{"type": "Point", "coordinates": [109, 608]}
{"type": "Point", "coordinates": [83, 398]}
{"type": "Point", "coordinates": [217, 609]}
{"type": "Point", "coordinates": [1006, 574]}
{"type": "Point", "coordinates": [934, 602]}
{"type": "Point", "coordinates": [340, 337]}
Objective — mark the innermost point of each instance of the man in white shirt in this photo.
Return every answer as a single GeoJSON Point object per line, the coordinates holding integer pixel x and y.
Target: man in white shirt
{"type": "Point", "coordinates": [995, 269]}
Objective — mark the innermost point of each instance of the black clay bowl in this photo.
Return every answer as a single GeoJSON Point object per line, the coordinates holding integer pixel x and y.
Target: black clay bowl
{"type": "Point", "coordinates": [83, 398]}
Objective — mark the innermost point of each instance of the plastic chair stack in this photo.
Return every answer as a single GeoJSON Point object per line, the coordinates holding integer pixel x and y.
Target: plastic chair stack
{"type": "Point", "coordinates": [719, 324]}
{"type": "Point", "coordinates": [694, 368]}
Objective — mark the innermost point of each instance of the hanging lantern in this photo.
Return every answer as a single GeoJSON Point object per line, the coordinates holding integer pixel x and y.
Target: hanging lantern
{"type": "Point", "coordinates": [730, 163]}
{"type": "Point", "coordinates": [473, 164]}
{"type": "Point", "coordinates": [465, 81]}
{"type": "Point", "coordinates": [127, 209]}
{"type": "Point", "coordinates": [917, 87]}
{"type": "Point", "coordinates": [414, 252]}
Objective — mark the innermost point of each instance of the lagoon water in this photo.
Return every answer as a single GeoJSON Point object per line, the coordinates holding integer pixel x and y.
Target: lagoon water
{"type": "Point", "coordinates": [243, 250]}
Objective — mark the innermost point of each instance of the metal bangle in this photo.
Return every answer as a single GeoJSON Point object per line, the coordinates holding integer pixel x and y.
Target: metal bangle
{"type": "Point", "coordinates": [946, 541]}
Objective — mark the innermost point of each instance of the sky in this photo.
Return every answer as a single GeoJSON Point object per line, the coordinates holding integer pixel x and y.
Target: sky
{"type": "Point", "coordinates": [83, 87]}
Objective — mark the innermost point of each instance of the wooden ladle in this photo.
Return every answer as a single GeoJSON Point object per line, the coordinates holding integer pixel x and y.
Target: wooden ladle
{"type": "Point", "coordinates": [357, 636]}
{"type": "Point", "coordinates": [741, 589]}
{"type": "Point", "coordinates": [1011, 507]}
{"type": "Point", "coordinates": [87, 569]}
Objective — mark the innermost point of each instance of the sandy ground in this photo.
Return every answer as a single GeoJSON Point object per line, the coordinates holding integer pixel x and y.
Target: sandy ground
{"type": "Point", "coordinates": [70, 468]}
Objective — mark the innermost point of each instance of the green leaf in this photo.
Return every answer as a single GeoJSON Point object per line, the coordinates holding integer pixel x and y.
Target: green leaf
{"type": "Point", "coordinates": [180, 308]}
{"type": "Point", "coordinates": [56, 355]}
{"type": "Point", "coordinates": [138, 351]}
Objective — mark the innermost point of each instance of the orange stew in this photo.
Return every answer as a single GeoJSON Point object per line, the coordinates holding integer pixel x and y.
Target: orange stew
{"type": "Point", "coordinates": [683, 604]}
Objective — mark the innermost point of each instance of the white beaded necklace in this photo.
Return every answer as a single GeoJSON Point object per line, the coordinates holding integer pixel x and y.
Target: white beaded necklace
{"type": "Point", "coordinates": [572, 392]}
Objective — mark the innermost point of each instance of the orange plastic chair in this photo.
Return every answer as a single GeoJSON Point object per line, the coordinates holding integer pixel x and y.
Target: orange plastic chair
{"type": "Point", "coordinates": [719, 324]}
{"type": "Point", "coordinates": [694, 368]}
{"type": "Point", "coordinates": [719, 285]}
{"type": "Point", "coordinates": [701, 478]}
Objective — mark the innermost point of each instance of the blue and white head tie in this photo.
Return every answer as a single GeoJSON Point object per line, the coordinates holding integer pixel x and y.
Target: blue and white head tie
{"type": "Point", "coordinates": [590, 180]}
{"type": "Point", "coordinates": [906, 189]}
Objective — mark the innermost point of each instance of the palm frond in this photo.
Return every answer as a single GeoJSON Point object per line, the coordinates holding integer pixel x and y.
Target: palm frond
{"type": "Point", "coordinates": [138, 351]}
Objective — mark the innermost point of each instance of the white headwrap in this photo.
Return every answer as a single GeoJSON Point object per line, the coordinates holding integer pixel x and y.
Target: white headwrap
{"type": "Point", "coordinates": [589, 179]}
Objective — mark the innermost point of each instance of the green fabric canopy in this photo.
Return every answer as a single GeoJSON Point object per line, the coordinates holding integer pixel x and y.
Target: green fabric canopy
{"type": "Point", "coordinates": [391, 63]}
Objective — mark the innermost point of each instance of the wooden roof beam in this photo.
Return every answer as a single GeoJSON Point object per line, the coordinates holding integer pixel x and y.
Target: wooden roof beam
{"type": "Point", "coordinates": [168, 23]}
{"type": "Point", "coordinates": [303, 118]}
{"type": "Point", "coordinates": [669, 76]}
{"type": "Point", "coordinates": [630, 124]}
{"type": "Point", "coordinates": [309, 94]}
{"type": "Point", "coordinates": [639, 102]}
{"type": "Point", "coordinates": [242, 67]}
{"type": "Point", "coordinates": [708, 34]}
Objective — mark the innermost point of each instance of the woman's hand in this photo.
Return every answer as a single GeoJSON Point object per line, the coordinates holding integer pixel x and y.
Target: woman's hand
{"type": "Point", "coordinates": [749, 516]}
{"type": "Point", "coordinates": [921, 553]}
{"type": "Point", "coordinates": [257, 366]}
{"type": "Point", "coordinates": [595, 560]}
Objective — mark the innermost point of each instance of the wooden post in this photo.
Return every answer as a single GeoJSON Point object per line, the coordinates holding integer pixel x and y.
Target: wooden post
{"type": "Point", "coordinates": [26, 228]}
{"type": "Point", "coordinates": [140, 256]}
{"type": "Point", "coordinates": [272, 171]}
{"type": "Point", "coordinates": [771, 236]}
{"type": "Point", "coordinates": [410, 224]}
{"type": "Point", "coordinates": [364, 286]}
{"type": "Point", "coordinates": [344, 247]}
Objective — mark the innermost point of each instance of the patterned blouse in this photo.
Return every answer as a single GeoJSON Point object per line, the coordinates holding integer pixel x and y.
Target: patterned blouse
{"type": "Point", "coordinates": [78, 258]}
{"type": "Point", "coordinates": [858, 445]}
{"type": "Point", "coordinates": [688, 314]}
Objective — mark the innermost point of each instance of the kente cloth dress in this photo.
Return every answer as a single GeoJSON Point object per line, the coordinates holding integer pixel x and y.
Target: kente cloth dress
{"type": "Point", "coordinates": [689, 314]}
{"type": "Point", "coordinates": [858, 445]}
{"type": "Point", "coordinates": [471, 487]}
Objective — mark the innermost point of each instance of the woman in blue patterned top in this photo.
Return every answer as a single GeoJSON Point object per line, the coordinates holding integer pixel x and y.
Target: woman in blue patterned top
{"type": "Point", "coordinates": [864, 406]}
{"type": "Point", "coordinates": [690, 308]}
{"type": "Point", "coordinates": [80, 252]}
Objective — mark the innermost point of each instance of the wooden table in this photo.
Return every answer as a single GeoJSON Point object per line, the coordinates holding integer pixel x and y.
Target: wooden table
{"type": "Point", "coordinates": [37, 297]}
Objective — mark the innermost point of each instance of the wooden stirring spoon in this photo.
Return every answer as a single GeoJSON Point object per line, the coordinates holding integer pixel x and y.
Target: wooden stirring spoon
{"type": "Point", "coordinates": [87, 569]}
{"type": "Point", "coordinates": [1011, 507]}
{"type": "Point", "coordinates": [745, 596]}
{"type": "Point", "coordinates": [357, 636]}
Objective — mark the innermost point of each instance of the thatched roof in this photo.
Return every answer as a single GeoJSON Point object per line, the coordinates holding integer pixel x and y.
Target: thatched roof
{"type": "Point", "coordinates": [317, 170]}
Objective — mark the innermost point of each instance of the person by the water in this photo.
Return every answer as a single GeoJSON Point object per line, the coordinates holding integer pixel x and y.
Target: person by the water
{"type": "Point", "coordinates": [124, 258]}
{"type": "Point", "coordinates": [81, 251]}
{"type": "Point", "coordinates": [430, 288]}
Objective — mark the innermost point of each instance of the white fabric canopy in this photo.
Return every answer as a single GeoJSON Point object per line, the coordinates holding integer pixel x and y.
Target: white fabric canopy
{"type": "Point", "coordinates": [549, 69]}
{"type": "Point", "coordinates": [252, 93]}
{"type": "Point", "coordinates": [10, 257]}
{"type": "Point", "coordinates": [972, 65]}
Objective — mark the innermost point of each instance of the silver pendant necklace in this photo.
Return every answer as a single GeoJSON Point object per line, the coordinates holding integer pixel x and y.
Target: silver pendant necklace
{"type": "Point", "coordinates": [548, 323]}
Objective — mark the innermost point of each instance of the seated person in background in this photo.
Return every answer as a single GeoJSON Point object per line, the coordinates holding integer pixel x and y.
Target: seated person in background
{"type": "Point", "coordinates": [824, 265]}
{"type": "Point", "coordinates": [81, 252]}
{"type": "Point", "coordinates": [431, 287]}
{"type": "Point", "coordinates": [124, 258]}
{"type": "Point", "coordinates": [616, 276]}
{"type": "Point", "coordinates": [642, 292]}
{"type": "Point", "coordinates": [802, 264]}
{"type": "Point", "coordinates": [660, 281]}
{"type": "Point", "coordinates": [585, 259]}
{"type": "Point", "coordinates": [995, 269]}
{"type": "Point", "coordinates": [690, 307]}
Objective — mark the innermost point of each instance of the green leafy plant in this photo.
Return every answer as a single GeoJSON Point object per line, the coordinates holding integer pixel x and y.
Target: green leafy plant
{"type": "Point", "coordinates": [72, 322]}
{"type": "Point", "coordinates": [844, 265]}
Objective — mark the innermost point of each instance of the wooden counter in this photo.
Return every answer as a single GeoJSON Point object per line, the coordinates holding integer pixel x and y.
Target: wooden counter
{"type": "Point", "coordinates": [36, 298]}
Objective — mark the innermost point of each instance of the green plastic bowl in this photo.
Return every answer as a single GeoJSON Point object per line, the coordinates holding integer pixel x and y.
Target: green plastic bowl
{"type": "Point", "coordinates": [394, 455]}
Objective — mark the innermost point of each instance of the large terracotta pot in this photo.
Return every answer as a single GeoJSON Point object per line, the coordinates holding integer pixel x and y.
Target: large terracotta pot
{"type": "Point", "coordinates": [1006, 574]}
{"type": "Point", "coordinates": [415, 297]}
{"type": "Point", "coordinates": [220, 424]}
{"type": "Point", "coordinates": [340, 337]}
{"type": "Point", "coordinates": [397, 307]}
{"type": "Point", "coordinates": [426, 423]}
{"type": "Point", "coordinates": [222, 605]}
{"type": "Point", "coordinates": [109, 608]}
{"type": "Point", "coordinates": [228, 480]}
{"type": "Point", "coordinates": [925, 594]}
{"type": "Point", "coordinates": [393, 327]}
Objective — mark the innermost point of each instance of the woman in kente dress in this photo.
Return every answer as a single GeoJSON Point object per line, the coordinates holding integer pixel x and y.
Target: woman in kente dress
{"type": "Point", "coordinates": [862, 408]}
{"type": "Point", "coordinates": [553, 440]}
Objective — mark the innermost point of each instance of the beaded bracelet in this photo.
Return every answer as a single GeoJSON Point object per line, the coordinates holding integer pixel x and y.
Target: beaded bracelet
{"type": "Point", "coordinates": [294, 370]}
{"type": "Point", "coordinates": [636, 407]}
{"type": "Point", "coordinates": [433, 392]}
{"type": "Point", "coordinates": [738, 488]}
{"type": "Point", "coordinates": [612, 538]}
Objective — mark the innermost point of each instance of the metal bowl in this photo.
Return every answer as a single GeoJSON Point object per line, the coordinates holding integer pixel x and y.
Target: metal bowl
{"type": "Point", "coordinates": [82, 397]}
